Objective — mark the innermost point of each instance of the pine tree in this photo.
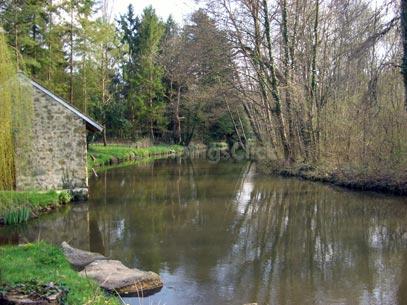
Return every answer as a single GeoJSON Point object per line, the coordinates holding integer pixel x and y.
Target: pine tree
{"type": "Point", "coordinates": [142, 72]}
{"type": "Point", "coordinates": [25, 23]}
{"type": "Point", "coordinates": [52, 73]}
{"type": "Point", "coordinates": [149, 75]}
{"type": "Point", "coordinates": [77, 11]}
{"type": "Point", "coordinates": [34, 30]}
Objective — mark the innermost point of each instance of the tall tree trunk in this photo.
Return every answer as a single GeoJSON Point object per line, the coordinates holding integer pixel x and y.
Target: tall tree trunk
{"type": "Point", "coordinates": [151, 121]}
{"type": "Point", "coordinates": [104, 136]}
{"type": "Point", "coordinates": [253, 123]}
{"type": "Point", "coordinates": [85, 87]}
{"type": "Point", "coordinates": [286, 62]}
{"type": "Point", "coordinates": [50, 50]}
{"type": "Point", "coordinates": [404, 40]}
{"type": "Point", "coordinates": [239, 136]}
{"type": "Point", "coordinates": [314, 85]}
{"type": "Point", "coordinates": [16, 41]}
{"type": "Point", "coordinates": [34, 38]}
{"type": "Point", "coordinates": [177, 118]}
{"type": "Point", "coordinates": [274, 86]}
{"type": "Point", "coordinates": [71, 54]}
{"type": "Point", "coordinates": [104, 91]}
{"type": "Point", "coordinates": [242, 127]}
{"type": "Point", "coordinates": [263, 78]}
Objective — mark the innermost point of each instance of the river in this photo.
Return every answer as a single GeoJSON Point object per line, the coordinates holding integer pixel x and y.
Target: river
{"type": "Point", "coordinates": [219, 234]}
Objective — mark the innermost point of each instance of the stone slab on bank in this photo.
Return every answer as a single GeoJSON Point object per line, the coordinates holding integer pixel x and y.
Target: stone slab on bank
{"type": "Point", "coordinates": [79, 259]}
{"type": "Point", "coordinates": [113, 276]}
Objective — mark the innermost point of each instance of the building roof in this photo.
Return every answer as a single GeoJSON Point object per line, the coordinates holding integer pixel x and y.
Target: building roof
{"type": "Point", "coordinates": [90, 124]}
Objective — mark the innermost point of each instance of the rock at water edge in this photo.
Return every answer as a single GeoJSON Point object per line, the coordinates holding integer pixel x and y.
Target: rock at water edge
{"type": "Point", "coordinates": [114, 276]}
{"type": "Point", "coordinates": [79, 258]}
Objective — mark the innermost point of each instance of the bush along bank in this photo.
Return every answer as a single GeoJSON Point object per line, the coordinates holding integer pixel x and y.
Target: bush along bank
{"type": "Point", "coordinates": [101, 156]}
{"type": "Point", "coordinates": [355, 179]}
{"type": "Point", "coordinates": [41, 269]}
{"type": "Point", "coordinates": [18, 207]}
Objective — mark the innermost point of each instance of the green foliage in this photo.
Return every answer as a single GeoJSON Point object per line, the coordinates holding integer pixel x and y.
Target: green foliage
{"type": "Point", "coordinates": [25, 21]}
{"type": "Point", "coordinates": [36, 41]}
{"type": "Point", "coordinates": [31, 198]}
{"type": "Point", "coordinates": [7, 69]}
{"type": "Point", "coordinates": [118, 75]}
{"type": "Point", "coordinates": [222, 128]}
{"type": "Point", "coordinates": [103, 154]}
{"type": "Point", "coordinates": [98, 53]}
{"type": "Point", "coordinates": [64, 197]}
{"type": "Point", "coordinates": [16, 216]}
{"type": "Point", "coordinates": [142, 73]}
{"type": "Point", "coordinates": [16, 108]}
{"type": "Point", "coordinates": [43, 263]}
{"type": "Point", "coordinates": [206, 74]}
{"type": "Point", "coordinates": [16, 207]}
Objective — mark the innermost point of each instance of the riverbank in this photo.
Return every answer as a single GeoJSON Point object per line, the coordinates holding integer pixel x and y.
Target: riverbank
{"type": "Point", "coordinates": [102, 156]}
{"type": "Point", "coordinates": [42, 263]}
{"type": "Point", "coordinates": [361, 180]}
{"type": "Point", "coordinates": [18, 207]}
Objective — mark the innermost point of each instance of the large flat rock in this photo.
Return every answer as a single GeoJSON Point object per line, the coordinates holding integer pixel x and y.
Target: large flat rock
{"type": "Point", "coordinates": [79, 258]}
{"type": "Point", "coordinates": [114, 276]}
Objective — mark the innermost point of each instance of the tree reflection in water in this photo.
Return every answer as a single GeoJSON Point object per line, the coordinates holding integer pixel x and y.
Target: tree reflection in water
{"type": "Point", "coordinates": [220, 234]}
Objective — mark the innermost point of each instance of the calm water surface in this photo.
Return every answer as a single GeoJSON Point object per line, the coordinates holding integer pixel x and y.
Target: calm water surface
{"type": "Point", "coordinates": [218, 234]}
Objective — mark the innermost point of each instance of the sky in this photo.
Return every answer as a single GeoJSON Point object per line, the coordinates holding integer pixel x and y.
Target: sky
{"type": "Point", "coordinates": [177, 8]}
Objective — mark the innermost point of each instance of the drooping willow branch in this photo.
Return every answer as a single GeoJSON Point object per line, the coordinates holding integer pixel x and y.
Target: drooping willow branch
{"type": "Point", "coordinates": [16, 108]}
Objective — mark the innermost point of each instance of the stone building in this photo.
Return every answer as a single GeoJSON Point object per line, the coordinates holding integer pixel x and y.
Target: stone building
{"type": "Point", "coordinates": [57, 158]}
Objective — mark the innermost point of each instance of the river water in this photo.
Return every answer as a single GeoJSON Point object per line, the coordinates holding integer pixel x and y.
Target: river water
{"type": "Point", "coordinates": [219, 234]}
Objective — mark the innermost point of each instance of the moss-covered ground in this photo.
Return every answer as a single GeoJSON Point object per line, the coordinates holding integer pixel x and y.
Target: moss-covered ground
{"type": "Point", "coordinates": [43, 263]}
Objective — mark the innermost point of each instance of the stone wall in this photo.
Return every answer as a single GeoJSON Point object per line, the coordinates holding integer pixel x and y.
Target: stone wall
{"type": "Point", "coordinates": [57, 158]}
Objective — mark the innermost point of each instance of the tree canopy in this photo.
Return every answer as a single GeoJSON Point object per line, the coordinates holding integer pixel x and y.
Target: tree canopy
{"type": "Point", "coordinates": [314, 81]}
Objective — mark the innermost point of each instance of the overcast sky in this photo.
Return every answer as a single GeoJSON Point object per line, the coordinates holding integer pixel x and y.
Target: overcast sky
{"type": "Point", "coordinates": [177, 8]}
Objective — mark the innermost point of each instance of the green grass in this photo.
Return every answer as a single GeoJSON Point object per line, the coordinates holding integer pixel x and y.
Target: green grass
{"type": "Point", "coordinates": [12, 203]}
{"type": "Point", "coordinates": [31, 199]}
{"type": "Point", "coordinates": [102, 155]}
{"type": "Point", "coordinates": [17, 207]}
{"type": "Point", "coordinates": [221, 145]}
{"type": "Point", "coordinates": [44, 263]}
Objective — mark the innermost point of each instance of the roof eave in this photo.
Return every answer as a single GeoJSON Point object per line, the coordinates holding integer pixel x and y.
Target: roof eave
{"type": "Point", "coordinates": [93, 128]}
{"type": "Point", "coordinates": [90, 124]}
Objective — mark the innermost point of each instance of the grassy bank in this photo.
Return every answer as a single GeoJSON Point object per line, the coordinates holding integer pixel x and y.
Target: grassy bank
{"type": "Point", "coordinates": [18, 207]}
{"type": "Point", "coordinates": [352, 178]}
{"type": "Point", "coordinates": [43, 264]}
{"type": "Point", "coordinates": [99, 155]}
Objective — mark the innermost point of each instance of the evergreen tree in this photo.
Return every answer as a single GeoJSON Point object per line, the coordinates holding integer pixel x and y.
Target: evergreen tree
{"type": "Point", "coordinates": [78, 12]}
{"type": "Point", "coordinates": [25, 23]}
{"type": "Point", "coordinates": [128, 28]}
{"type": "Point", "coordinates": [142, 73]}
{"type": "Point", "coordinates": [52, 73]}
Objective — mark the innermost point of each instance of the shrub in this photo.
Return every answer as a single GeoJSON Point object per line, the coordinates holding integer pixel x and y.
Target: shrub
{"type": "Point", "coordinates": [16, 216]}
{"type": "Point", "coordinates": [64, 197]}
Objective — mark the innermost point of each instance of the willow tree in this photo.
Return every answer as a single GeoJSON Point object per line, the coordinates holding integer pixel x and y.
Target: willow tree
{"type": "Point", "coordinates": [7, 174]}
{"type": "Point", "coordinates": [15, 117]}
